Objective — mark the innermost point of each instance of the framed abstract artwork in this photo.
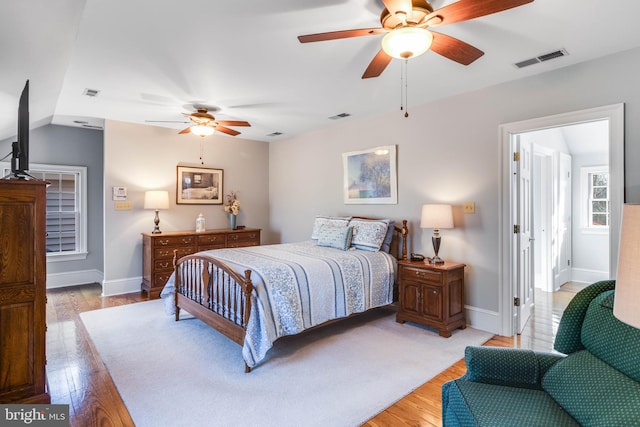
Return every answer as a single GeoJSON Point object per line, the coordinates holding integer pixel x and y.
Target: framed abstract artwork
{"type": "Point", "coordinates": [199, 186]}
{"type": "Point", "coordinates": [370, 176]}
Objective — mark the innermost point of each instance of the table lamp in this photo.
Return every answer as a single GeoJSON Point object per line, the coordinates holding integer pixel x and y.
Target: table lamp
{"type": "Point", "coordinates": [156, 199]}
{"type": "Point", "coordinates": [436, 217]}
{"type": "Point", "coordinates": [626, 303]}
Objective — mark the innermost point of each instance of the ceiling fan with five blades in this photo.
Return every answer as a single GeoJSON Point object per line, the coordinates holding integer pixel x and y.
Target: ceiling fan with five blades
{"type": "Point", "coordinates": [205, 124]}
{"type": "Point", "coordinates": [405, 24]}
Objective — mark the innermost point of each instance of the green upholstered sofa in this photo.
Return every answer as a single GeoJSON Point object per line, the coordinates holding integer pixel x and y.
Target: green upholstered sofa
{"type": "Point", "coordinates": [594, 382]}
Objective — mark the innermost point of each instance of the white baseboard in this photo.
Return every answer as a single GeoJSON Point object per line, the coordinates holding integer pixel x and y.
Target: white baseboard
{"type": "Point", "coordinates": [484, 320]}
{"type": "Point", "coordinates": [582, 275]}
{"type": "Point", "coordinates": [73, 278]}
{"type": "Point", "coordinates": [121, 286]}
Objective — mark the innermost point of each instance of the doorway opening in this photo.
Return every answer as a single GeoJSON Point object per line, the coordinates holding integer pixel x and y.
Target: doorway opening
{"type": "Point", "coordinates": [544, 210]}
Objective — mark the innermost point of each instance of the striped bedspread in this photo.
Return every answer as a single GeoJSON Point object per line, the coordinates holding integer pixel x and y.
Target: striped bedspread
{"type": "Point", "coordinates": [300, 285]}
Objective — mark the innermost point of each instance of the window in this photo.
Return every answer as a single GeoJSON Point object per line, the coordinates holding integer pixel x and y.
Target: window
{"type": "Point", "coordinates": [596, 185]}
{"type": "Point", "coordinates": [66, 210]}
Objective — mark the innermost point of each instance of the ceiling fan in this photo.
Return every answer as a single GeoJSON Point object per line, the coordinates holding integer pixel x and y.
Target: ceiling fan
{"type": "Point", "coordinates": [205, 124]}
{"type": "Point", "coordinates": [405, 23]}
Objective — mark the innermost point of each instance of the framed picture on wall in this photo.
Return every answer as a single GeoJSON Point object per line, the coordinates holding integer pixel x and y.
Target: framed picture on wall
{"type": "Point", "coordinates": [198, 186]}
{"type": "Point", "coordinates": [370, 176]}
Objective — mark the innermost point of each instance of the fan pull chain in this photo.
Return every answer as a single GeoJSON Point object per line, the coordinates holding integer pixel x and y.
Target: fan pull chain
{"type": "Point", "coordinates": [201, 152]}
{"type": "Point", "coordinates": [404, 88]}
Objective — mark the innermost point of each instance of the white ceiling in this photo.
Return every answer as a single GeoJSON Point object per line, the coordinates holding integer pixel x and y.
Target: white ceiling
{"type": "Point", "coordinates": [154, 59]}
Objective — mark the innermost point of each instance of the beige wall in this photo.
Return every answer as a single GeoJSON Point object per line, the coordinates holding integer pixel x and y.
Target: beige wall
{"type": "Point", "coordinates": [145, 158]}
{"type": "Point", "coordinates": [448, 151]}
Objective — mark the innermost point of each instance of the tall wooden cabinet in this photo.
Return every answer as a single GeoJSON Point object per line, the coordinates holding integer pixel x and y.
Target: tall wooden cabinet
{"type": "Point", "coordinates": [23, 292]}
{"type": "Point", "coordinates": [157, 251]}
{"type": "Point", "coordinates": [432, 295]}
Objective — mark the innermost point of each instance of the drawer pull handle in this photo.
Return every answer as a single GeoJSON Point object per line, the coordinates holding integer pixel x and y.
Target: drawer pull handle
{"type": "Point", "coordinates": [234, 237]}
{"type": "Point", "coordinates": [164, 265]}
{"type": "Point", "coordinates": [163, 242]}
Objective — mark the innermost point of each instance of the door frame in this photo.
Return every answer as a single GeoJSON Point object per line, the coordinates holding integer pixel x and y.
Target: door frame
{"type": "Point", "coordinates": [506, 263]}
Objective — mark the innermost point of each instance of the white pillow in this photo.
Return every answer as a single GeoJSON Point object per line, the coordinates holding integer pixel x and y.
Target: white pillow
{"type": "Point", "coordinates": [368, 234]}
{"type": "Point", "coordinates": [321, 220]}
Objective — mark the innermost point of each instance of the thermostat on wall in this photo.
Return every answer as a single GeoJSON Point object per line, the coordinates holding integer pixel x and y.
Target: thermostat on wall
{"type": "Point", "coordinates": [119, 193]}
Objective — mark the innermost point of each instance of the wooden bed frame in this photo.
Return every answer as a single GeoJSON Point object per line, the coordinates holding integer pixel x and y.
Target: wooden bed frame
{"type": "Point", "coordinates": [214, 293]}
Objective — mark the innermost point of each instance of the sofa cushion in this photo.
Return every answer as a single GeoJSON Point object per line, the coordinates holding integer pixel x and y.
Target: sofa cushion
{"type": "Point", "coordinates": [607, 338]}
{"type": "Point", "coordinates": [480, 404]}
{"type": "Point", "coordinates": [592, 392]}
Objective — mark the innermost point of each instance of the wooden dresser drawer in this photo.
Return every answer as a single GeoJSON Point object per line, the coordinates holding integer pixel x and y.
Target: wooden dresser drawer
{"type": "Point", "coordinates": [167, 253]}
{"type": "Point", "coordinates": [243, 239]}
{"type": "Point", "coordinates": [212, 239]}
{"type": "Point", "coordinates": [174, 241]}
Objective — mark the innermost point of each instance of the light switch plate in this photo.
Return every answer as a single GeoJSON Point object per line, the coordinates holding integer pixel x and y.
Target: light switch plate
{"type": "Point", "coordinates": [469, 207]}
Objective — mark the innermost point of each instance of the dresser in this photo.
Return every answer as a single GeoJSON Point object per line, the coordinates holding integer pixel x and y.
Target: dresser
{"type": "Point", "coordinates": [23, 278]}
{"type": "Point", "coordinates": [431, 295]}
{"type": "Point", "coordinates": [157, 251]}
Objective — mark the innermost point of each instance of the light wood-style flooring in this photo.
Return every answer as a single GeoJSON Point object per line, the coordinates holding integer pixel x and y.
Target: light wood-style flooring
{"type": "Point", "coordinates": [78, 377]}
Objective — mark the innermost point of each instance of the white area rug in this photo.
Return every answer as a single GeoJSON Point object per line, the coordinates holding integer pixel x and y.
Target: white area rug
{"type": "Point", "coordinates": [186, 374]}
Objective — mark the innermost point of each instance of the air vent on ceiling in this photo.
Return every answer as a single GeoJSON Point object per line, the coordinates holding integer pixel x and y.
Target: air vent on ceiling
{"type": "Point", "coordinates": [91, 92]}
{"type": "Point", "coordinates": [339, 116]}
{"type": "Point", "coordinates": [542, 58]}
{"type": "Point", "coordinates": [275, 134]}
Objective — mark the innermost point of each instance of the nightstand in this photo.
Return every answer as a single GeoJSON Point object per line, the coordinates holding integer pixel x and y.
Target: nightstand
{"type": "Point", "coordinates": [432, 295]}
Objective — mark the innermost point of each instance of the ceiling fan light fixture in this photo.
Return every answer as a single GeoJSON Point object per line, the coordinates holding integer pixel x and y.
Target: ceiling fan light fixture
{"type": "Point", "coordinates": [407, 42]}
{"type": "Point", "coordinates": [202, 130]}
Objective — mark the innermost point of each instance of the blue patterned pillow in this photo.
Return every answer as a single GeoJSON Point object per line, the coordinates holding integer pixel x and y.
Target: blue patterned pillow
{"type": "Point", "coordinates": [369, 234]}
{"type": "Point", "coordinates": [335, 236]}
{"type": "Point", "coordinates": [330, 220]}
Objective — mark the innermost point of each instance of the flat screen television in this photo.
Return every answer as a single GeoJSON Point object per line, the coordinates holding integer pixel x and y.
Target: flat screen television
{"type": "Point", "coordinates": [20, 148]}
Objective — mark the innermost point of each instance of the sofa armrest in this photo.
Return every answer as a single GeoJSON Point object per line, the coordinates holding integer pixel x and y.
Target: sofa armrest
{"type": "Point", "coordinates": [512, 367]}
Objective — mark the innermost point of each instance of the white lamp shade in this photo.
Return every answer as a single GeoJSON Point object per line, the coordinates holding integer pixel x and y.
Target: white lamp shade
{"type": "Point", "coordinates": [156, 199]}
{"type": "Point", "coordinates": [626, 306]}
{"type": "Point", "coordinates": [407, 42]}
{"type": "Point", "coordinates": [201, 130]}
{"type": "Point", "coordinates": [436, 216]}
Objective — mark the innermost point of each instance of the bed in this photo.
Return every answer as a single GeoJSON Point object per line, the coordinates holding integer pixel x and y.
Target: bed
{"type": "Point", "coordinates": [256, 295]}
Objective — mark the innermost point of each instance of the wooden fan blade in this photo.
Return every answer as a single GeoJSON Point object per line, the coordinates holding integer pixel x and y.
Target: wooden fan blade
{"type": "Point", "coordinates": [186, 130]}
{"type": "Point", "coordinates": [469, 9]}
{"type": "Point", "coordinates": [395, 6]}
{"type": "Point", "coordinates": [233, 123]}
{"type": "Point", "coordinates": [377, 65]}
{"type": "Point", "coordinates": [227, 130]}
{"type": "Point", "coordinates": [165, 121]}
{"type": "Point", "coordinates": [454, 49]}
{"type": "Point", "coordinates": [345, 34]}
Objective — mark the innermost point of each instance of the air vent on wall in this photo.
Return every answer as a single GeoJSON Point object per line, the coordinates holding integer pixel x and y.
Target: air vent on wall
{"type": "Point", "coordinates": [339, 116]}
{"type": "Point", "coordinates": [91, 92]}
{"type": "Point", "coordinates": [542, 58]}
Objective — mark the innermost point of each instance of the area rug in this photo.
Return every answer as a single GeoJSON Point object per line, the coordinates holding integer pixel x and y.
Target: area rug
{"type": "Point", "coordinates": [186, 374]}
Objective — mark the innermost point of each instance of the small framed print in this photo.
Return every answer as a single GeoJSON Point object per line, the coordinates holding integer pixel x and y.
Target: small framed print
{"type": "Point", "coordinates": [198, 186]}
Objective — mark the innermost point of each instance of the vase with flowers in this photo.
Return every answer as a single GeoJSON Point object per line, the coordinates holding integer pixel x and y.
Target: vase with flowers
{"type": "Point", "coordinates": [232, 207]}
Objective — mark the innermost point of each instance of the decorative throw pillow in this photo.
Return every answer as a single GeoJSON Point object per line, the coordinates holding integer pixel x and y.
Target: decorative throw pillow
{"type": "Point", "coordinates": [335, 236]}
{"type": "Point", "coordinates": [330, 220]}
{"type": "Point", "coordinates": [386, 243]}
{"type": "Point", "coordinates": [369, 234]}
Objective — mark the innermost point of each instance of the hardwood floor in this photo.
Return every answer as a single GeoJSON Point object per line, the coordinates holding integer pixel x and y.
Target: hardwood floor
{"type": "Point", "coordinates": [78, 377]}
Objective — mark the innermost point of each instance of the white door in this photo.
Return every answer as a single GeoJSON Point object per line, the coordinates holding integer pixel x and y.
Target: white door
{"type": "Point", "coordinates": [525, 287]}
{"type": "Point", "coordinates": [563, 221]}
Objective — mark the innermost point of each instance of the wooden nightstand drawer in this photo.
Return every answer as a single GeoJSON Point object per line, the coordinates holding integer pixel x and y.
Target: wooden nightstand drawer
{"type": "Point", "coordinates": [410, 273]}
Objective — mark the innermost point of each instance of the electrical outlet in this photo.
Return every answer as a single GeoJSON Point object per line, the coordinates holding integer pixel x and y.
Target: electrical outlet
{"type": "Point", "coordinates": [469, 207]}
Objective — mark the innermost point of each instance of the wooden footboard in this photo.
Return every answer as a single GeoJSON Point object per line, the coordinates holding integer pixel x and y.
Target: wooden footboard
{"type": "Point", "coordinates": [211, 291]}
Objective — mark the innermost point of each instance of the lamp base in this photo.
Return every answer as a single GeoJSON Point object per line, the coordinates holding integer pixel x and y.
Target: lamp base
{"type": "Point", "coordinates": [436, 260]}
{"type": "Point", "coordinates": [156, 221]}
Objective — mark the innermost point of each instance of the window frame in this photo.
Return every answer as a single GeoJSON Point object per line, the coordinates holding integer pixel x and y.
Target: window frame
{"type": "Point", "coordinates": [586, 195]}
{"type": "Point", "coordinates": [80, 172]}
